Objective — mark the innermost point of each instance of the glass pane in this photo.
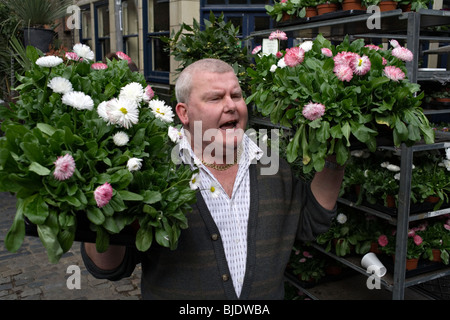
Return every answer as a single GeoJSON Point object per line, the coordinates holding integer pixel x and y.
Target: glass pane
{"type": "Point", "coordinates": [105, 47]}
{"type": "Point", "coordinates": [238, 1]}
{"type": "Point", "coordinates": [129, 17]}
{"type": "Point", "coordinates": [215, 2]}
{"type": "Point", "coordinates": [161, 59]}
{"type": "Point", "coordinates": [103, 21]}
{"type": "Point", "coordinates": [262, 23]}
{"type": "Point", "coordinates": [132, 49]}
{"type": "Point", "coordinates": [85, 24]}
{"type": "Point", "coordinates": [161, 16]}
{"type": "Point", "coordinates": [260, 1]}
{"type": "Point", "coordinates": [237, 22]}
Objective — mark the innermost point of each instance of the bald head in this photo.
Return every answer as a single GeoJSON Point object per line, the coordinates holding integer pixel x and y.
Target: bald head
{"type": "Point", "coordinates": [183, 85]}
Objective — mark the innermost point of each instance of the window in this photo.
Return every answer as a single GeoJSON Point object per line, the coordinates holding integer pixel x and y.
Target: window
{"type": "Point", "coordinates": [130, 25]}
{"type": "Point", "coordinates": [85, 32]}
{"type": "Point", "coordinates": [156, 24]}
{"type": "Point", "coordinates": [102, 30]}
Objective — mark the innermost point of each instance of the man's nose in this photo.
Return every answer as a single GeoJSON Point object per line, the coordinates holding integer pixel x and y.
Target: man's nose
{"type": "Point", "coordinates": [229, 104]}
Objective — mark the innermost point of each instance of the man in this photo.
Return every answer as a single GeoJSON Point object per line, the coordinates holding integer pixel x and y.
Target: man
{"type": "Point", "coordinates": [243, 226]}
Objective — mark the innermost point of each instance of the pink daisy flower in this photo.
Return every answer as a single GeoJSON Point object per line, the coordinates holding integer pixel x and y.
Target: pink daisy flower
{"type": "Point", "coordinates": [394, 43]}
{"type": "Point", "coordinates": [417, 239]}
{"type": "Point", "coordinates": [394, 73]}
{"type": "Point", "coordinates": [72, 56]}
{"type": "Point", "coordinates": [103, 194]}
{"type": "Point", "coordinates": [280, 35]}
{"type": "Point", "coordinates": [344, 57]}
{"type": "Point", "coordinates": [279, 54]}
{"type": "Point", "coordinates": [326, 52]}
{"type": "Point", "coordinates": [372, 46]}
{"type": "Point", "coordinates": [447, 226]}
{"type": "Point", "coordinates": [343, 72]}
{"type": "Point", "coordinates": [313, 111]}
{"type": "Point", "coordinates": [294, 56]}
{"type": "Point", "coordinates": [384, 61]}
{"type": "Point", "coordinates": [64, 167]}
{"type": "Point", "coordinates": [402, 53]}
{"type": "Point", "coordinates": [256, 49]}
{"type": "Point", "coordinates": [383, 240]}
{"type": "Point", "coordinates": [148, 93]}
{"type": "Point", "coordinates": [99, 66]}
{"type": "Point", "coordinates": [123, 56]}
{"type": "Point", "coordinates": [360, 65]}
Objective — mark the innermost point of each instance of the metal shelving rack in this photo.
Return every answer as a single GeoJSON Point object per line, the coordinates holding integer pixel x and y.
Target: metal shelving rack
{"type": "Point", "coordinates": [399, 25]}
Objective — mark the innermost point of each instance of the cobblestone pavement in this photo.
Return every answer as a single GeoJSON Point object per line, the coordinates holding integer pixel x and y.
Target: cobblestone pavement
{"type": "Point", "coordinates": [28, 275]}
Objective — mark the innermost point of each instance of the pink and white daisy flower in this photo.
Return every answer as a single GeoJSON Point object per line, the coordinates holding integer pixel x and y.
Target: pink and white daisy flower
{"type": "Point", "coordinates": [72, 56]}
{"type": "Point", "coordinates": [99, 66]}
{"type": "Point", "coordinates": [280, 35]}
{"type": "Point", "coordinates": [64, 167]}
{"type": "Point", "coordinates": [372, 46]}
{"type": "Point", "coordinates": [360, 65]}
{"type": "Point", "coordinates": [103, 194]}
{"type": "Point", "coordinates": [344, 58]}
{"type": "Point", "coordinates": [394, 73]}
{"type": "Point", "coordinates": [294, 56]}
{"type": "Point", "coordinates": [313, 111]}
{"type": "Point", "coordinates": [123, 56]}
{"type": "Point", "coordinates": [402, 53]}
{"type": "Point", "coordinates": [394, 43]}
{"type": "Point", "coordinates": [343, 72]}
{"type": "Point", "coordinates": [148, 93]}
{"type": "Point", "coordinates": [256, 49]}
{"type": "Point", "coordinates": [326, 52]}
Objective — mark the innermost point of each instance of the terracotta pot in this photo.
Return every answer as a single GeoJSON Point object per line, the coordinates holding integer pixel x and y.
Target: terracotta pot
{"type": "Point", "coordinates": [442, 99]}
{"type": "Point", "coordinates": [285, 16]}
{"type": "Point", "coordinates": [411, 264]}
{"type": "Point", "coordinates": [333, 270]}
{"type": "Point", "coordinates": [390, 200]}
{"type": "Point", "coordinates": [406, 8]}
{"type": "Point", "coordinates": [432, 199]}
{"type": "Point", "coordinates": [375, 248]}
{"type": "Point", "coordinates": [352, 5]}
{"type": "Point", "coordinates": [326, 8]}
{"type": "Point", "coordinates": [436, 255]}
{"type": "Point", "coordinates": [387, 5]}
{"type": "Point", "coordinates": [311, 12]}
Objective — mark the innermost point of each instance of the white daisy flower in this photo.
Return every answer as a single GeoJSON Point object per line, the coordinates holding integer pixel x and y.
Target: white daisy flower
{"type": "Point", "coordinates": [161, 111]}
{"type": "Point", "coordinates": [214, 190]}
{"type": "Point", "coordinates": [102, 111]}
{"type": "Point", "coordinates": [49, 61]}
{"type": "Point", "coordinates": [78, 100]}
{"type": "Point", "coordinates": [60, 85]}
{"type": "Point", "coordinates": [393, 167]}
{"type": "Point", "coordinates": [306, 46]}
{"type": "Point", "coordinates": [397, 176]}
{"type": "Point", "coordinates": [384, 164]}
{"type": "Point", "coordinates": [281, 63]}
{"type": "Point", "coordinates": [83, 51]}
{"type": "Point", "coordinates": [174, 134]}
{"type": "Point", "coordinates": [273, 68]}
{"type": "Point", "coordinates": [120, 139]}
{"type": "Point", "coordinates": [134, 164]}
{"type": "Point", "coordinates": [341, 218]}
{"type": "Point", "coordinates": [447, 153]}
{"type": "Point", "coordinates": [123, 112]}
{"type": "Point", "coordinates": [194, 183]}
{"type": "Point", "coordinates": [132, 91]}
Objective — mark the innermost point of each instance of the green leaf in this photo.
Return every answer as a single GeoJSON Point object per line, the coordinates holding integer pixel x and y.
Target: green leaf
{"type": "Point", "coordinates": [36, 209]}
{"type": "Point", "coordinates": [293, 146]}
{"type": "Point", "coordinates": [16, 234]}
{"type": "Point", "coordinates": [151, 197]}
{"type": "Point", "coordinates": [130, 196]}
{"type": "Point", "coordinates": [95, 215]}
{"type": "Point", "coordinates": [39, 169]}
{"type": "Point", "coordinates": [144, 238]}
{"type": "Point", "coordinates": [102, 240]}
{"type": "Point", "coordinates": [48, 233]}
{"type": "Point", "coordinates": [46, 128]}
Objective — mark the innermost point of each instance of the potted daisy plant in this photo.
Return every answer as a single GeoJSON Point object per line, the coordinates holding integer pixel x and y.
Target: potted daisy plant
{"type": "Point", "coordinates": [88, 142]}
{"type": "Point", "coordinates": [333, 97]}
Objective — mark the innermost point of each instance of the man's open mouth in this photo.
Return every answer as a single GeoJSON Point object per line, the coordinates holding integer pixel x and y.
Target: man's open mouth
{"type": "Point", "coordinates": [229, 125]}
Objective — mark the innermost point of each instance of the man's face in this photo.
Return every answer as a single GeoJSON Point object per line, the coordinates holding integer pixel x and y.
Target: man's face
{"type": "Point", "coordinates": [216, 101]}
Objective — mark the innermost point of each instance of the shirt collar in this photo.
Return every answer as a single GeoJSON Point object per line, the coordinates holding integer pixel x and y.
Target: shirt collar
{"type": "Point", "coordinates": [251, 151]}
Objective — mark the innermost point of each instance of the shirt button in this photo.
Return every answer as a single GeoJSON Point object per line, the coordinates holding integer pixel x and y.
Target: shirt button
{"type": "Point", "coordinates": [225, 277]}
{"type": "Point", "coordinates": [214, 236]}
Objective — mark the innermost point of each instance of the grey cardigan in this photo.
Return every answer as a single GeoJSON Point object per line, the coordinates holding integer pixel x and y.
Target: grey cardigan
{"type": "Point", "coordinates": [281, 209]}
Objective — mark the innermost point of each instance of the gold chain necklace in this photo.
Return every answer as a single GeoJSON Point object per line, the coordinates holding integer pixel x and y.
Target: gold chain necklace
{"type": "Point", "coordinates": [227, 166]}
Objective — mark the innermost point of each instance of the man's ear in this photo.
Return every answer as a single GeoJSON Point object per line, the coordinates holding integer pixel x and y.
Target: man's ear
{"type": "Point", "coordinates": [182, 112]}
